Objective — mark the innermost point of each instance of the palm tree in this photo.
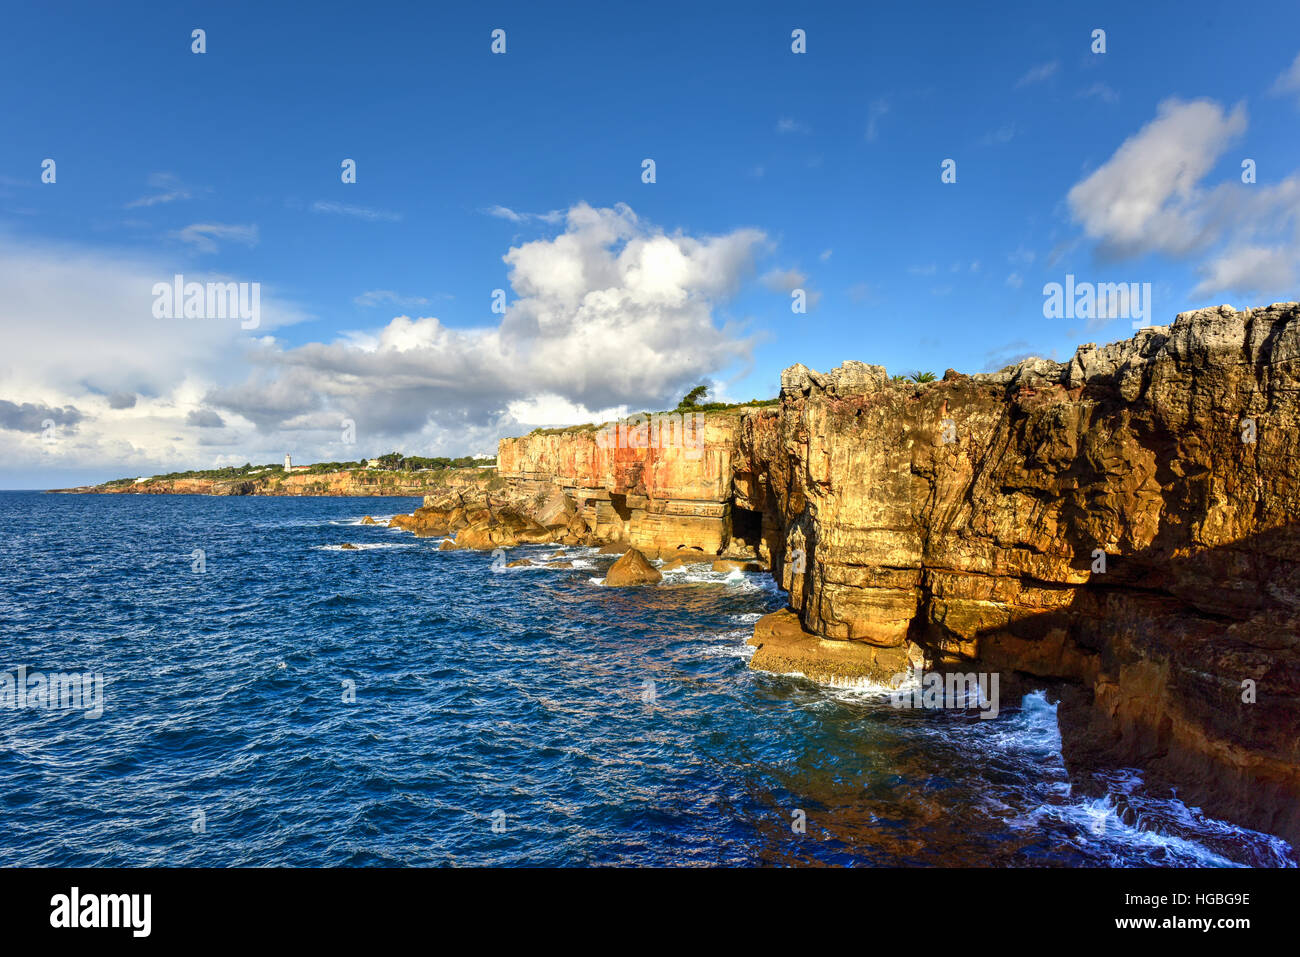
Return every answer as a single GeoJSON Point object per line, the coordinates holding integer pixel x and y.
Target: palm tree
{"type": "Point", "coordinates": [922, 377]}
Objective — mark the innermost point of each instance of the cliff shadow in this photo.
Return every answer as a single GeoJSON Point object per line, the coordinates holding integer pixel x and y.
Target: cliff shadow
{"type": "Point", "coordinates": [1187, 667]}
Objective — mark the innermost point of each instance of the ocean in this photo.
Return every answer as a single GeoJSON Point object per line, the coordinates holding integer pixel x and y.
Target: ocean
{"type": "Point", "coordinates": [271, 699]}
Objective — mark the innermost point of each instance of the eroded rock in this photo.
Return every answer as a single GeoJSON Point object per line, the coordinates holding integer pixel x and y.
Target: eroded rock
{"type": "Point", "coordinates": [632, 568]}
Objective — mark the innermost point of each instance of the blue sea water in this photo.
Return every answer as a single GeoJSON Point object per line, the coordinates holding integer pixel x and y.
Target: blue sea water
{"type": "Point", "coordinates": [526, 716]}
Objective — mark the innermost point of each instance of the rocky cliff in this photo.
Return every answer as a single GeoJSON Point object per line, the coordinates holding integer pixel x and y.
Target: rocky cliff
{"type": "Point", "coordinates": [663, 485]}
{"type": "Point", "coordinates": [1120, 527]}
{"type": "Point", "coordinates": [1124, 523]}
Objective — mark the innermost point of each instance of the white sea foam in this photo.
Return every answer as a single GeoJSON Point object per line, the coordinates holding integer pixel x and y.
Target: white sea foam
{"type": "Point", "coordinates": [363, 546]}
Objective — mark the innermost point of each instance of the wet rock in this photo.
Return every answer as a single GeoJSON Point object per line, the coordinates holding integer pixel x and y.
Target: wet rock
{"type": "Point", "coordinates": [728, 565]}
{"type": "Point", "coordinates": [784, 646]}
{"type": "Point", "coordinates": [632, 569]}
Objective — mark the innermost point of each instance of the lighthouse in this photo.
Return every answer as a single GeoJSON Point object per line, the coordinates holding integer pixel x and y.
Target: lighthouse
{"type": "Point", "coordinates": [288, 463]}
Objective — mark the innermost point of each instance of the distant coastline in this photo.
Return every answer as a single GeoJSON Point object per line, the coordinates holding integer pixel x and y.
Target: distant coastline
{"type": "Point", "coordinates": [336, 482]}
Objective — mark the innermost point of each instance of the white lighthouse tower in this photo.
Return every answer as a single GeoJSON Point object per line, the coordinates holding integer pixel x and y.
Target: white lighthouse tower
{"type": "Point", "coordinates": [288, 463]}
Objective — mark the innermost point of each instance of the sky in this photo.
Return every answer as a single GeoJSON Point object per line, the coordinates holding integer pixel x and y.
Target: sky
{"type": "Point", "coordinates": [501, 261]}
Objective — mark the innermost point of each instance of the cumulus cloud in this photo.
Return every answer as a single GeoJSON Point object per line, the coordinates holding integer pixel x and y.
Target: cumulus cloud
{"type": "Point", "coordinates": [34, 417]}
{"type": "Point", "coordinates": [1150, 197]}
{"type": "Point", "coordinates": [610, 313]}
{"type": "Point", "coordinates": [204, 419]}
{"type": "Point", "coordinates": [83, 348]}
{"type": "Point", "coordinates": [1146, 197]}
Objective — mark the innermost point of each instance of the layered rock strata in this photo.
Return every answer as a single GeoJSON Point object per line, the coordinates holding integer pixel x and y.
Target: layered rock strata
{"type": "Point", "coordinates": [1119, 528]}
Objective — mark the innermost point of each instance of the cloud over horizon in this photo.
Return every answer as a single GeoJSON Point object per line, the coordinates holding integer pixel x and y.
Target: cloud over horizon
{"type": "Point", "coordinates": [609, 314]}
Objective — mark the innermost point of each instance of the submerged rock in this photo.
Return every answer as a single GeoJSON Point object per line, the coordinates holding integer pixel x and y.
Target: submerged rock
{"type": "Point", "coordinates": [348, 546]}
{"type": "Point", "coordinates": [367, 520]}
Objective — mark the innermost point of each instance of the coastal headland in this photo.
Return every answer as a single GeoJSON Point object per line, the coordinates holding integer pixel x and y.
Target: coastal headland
{"type": "Point", "coordinates": [1119, 528]}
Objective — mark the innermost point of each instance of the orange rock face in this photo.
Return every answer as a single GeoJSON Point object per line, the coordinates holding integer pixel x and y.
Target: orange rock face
{"type": "Point", "coordinates": [661, 486]}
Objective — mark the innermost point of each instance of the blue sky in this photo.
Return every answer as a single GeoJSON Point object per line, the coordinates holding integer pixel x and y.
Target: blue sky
{"type": "Point", "coordinates": [774, 170]}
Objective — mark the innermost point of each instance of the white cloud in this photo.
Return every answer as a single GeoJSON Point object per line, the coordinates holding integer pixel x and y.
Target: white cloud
{"type": "Point", "coordinates": [1249, 270]}
{"type": "Point", "coordinates": [875, 112]}
{"type": "Point", "coordinates": [357, 212]}
{"type": "Point", "coordinates": [79, 333]}
{"type": "Point", "coordinates": [376, 297]}
{"type": "Point", "coordinates": [788, 280]}
{"type": "Point", "coordinates": [505, 212]}
{"type": "Point", "coordinates": [1149, 197]}
{"type": "Point", "coordinates": [1015, 280]}
{"type": "Point", "coordinates": [1146, 197]}
{"type": "Point", "coordinates": [1003, 134]}
{"type": "Point", "coordinates": [204, 236]}
{"type": "Point", "coordinates": [1038, 74]}
{"type": "Point", "coordinates": [1099, 91]}
{"type": "Point", "coordinates": [788, 125]}
{"type": "Point", "coordinates": [1289, 80]}
{"type": "Point", "coordinates": [783, 280]}
{"type": "Point", "coordinates": [171, 188]}
{"type": "Point", "coordinates": [611, 312]}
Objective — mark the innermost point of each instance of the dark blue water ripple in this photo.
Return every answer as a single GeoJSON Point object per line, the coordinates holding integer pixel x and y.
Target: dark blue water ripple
{"type": "Point", "coordinates": [481, 697]}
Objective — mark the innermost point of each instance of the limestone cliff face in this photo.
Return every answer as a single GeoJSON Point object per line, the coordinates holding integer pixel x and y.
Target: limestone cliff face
{"type": "Point", "coordinates": [1125, 522]}
{"type": "Point", "coordinates": [666, 489]}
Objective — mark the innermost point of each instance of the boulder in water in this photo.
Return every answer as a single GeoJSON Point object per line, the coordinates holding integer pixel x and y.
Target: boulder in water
{"type": "Point", "coordinates": [632, 569]}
